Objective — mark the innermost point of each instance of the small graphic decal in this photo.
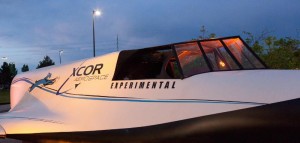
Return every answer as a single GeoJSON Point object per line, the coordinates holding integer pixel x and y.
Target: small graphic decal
{"type": "Point", "coordinates": [77, 85]}
{"type": "Point", "coordinates": [45, 81]}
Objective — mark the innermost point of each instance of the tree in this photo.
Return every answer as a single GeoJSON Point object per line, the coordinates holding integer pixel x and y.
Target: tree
{"type": "Point", "coordinates": [203, 36]}
{"type": "Point", "coordinates": [203, 31]}
{"type": "Point", "coordinates": [7, 73]}
{"type": "Point", "coordinates": [283, 53]}
{"type": "Point", "coordinates": [47, 61]}
{"type": "Point", "coordinates": [270, 41]}
{"type": "Point", "coordinates": [212, 35]}
{"type": "Point", "coordinates": [25, 68]}
{"type": "Point", "coordinates": [251, 39]}
{"type": "Point", "coordinates": [258, 49]}
{"type": "Point", "coordinates": [12, 69]}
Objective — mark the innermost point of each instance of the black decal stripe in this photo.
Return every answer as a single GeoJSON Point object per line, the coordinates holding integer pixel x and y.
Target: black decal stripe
{"type": "Point", "coordinates": [132, 99]}
{"type": "Point", "coordinates": [171, 100]}
{"type": "Point", "coordinates": [20, 79]}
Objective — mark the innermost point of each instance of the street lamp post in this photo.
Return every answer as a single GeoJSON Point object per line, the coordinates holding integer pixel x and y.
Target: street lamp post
{"type": "Point", "coordinates": [95, 13]}
{"type": "Point", "coordinates": [60, 52]}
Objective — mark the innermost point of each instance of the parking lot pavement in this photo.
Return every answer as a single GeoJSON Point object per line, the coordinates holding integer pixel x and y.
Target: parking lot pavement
{"type": "Point", "coordinates": [4, 108]}
{"type": "Point", "coordinates": [10, 141]}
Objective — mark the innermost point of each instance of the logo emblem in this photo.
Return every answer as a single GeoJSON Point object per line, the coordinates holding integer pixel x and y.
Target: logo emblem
{"type": "Point", "coordinates": [45, 81]}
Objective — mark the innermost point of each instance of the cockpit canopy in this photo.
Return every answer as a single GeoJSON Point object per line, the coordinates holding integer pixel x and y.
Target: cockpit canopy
{"type": "Point", "coordinates": [182, 60]}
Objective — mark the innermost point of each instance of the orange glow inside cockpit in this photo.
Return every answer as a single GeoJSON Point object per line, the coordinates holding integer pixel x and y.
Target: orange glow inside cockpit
{"type": "Point", "coordinates": [222, 64]}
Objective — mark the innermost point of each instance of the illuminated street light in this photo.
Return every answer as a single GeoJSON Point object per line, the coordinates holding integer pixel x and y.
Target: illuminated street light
{"type": "Point", "coordinates": [95, 13]}
{"type": "Point", "coordinates": [60, 52]}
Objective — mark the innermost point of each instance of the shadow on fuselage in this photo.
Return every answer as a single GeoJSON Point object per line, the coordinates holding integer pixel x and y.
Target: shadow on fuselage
{"type": "Point", "coordinates": [278, 122]}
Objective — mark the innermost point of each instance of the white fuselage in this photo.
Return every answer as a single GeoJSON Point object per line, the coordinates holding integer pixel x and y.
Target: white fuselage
{"type": "Point", "coordinates": [85, 98]}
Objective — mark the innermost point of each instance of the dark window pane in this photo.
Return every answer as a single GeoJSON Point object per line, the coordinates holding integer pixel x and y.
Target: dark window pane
{"type": "Point", "coordinates": [191, 59]}
{"type": "Point", "coordinates": [146, 64]}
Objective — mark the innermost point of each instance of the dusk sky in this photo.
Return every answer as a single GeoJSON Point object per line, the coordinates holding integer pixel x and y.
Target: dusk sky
{"type": "Point", "coordinates": [31, 29]}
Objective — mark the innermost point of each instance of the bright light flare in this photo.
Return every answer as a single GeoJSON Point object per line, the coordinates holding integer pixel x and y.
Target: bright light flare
{"type": "Point", "coordinates": [97, 12]}
{"type": "Point", "coordinates": [222, 64]}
